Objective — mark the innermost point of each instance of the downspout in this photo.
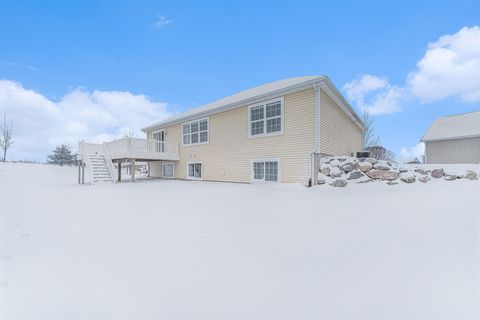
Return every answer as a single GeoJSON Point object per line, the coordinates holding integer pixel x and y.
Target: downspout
{"type": "Point", "coordinates": [313, 164]}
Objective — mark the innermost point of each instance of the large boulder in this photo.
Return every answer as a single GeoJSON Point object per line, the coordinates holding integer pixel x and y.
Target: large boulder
{"type": "Point", "coordinates": [451, 177]}
{"type": "Point", "coordinates": [335, 172]}
{"type": "Point", "coordinates": [325, 169]}
{"type": "Point", "coordinates": [382, 174]}
{"type": "Point", "coordinates": [339, 183]}
{"type": "Point", "coordinates": [344, 161]}
{"type": "Point", "coordinates": [381, 166]}
{"type": "Point", "coordinates": [424, 179]}
{"type": "Point", "coordinates": [348, 167]}
{"type": "Point", "coordinates": [355, 175]}
{"type": "Point", "coordinates": [437, 173]}
{"type": "Point", "coordinates": [471, 175]}
{"type": "Point", "coordinates": [371, 160]}
{"type": "Point", "coordinates": [365, 166]}
{"type": "Point", "coordinates": [321, 178]}
{"type": "Point", "coordinates": [407, 177]}
{"type": "Point", "coordinates": [421, 171]}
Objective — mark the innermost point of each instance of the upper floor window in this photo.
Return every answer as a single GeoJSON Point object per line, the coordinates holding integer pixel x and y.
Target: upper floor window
{"type": "Point", "coordinates": [266, 118]}
{"type": "Point", "coordinates": [195, 132]}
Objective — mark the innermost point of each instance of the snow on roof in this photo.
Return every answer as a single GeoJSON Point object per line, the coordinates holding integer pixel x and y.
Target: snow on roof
{"type": "Point", "coordinates": [453, 127]}
{"type": "Point", "coordinates": [243, 96]}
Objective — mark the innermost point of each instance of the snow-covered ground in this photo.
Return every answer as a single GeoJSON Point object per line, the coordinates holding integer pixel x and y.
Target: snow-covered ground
{"type": "Point", "coordinates": [202, 250]}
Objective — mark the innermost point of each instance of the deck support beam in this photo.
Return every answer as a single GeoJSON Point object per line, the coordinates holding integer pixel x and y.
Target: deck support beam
{"type": "Point", "coordinates": [119, 174]}
{"type": "Point", "coordinates": [83, 173]}
{"type": "Point", "coordinates": [134, 169]}
{"type": "Point", "coordinates": [79, 171]}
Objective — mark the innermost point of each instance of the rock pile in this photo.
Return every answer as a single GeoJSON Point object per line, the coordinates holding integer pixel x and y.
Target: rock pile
{"type": "Point", "coordinates": [337, 171]}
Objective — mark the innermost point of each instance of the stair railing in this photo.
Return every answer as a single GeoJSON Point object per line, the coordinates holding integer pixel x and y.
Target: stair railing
{"type": "Point", "coordinates": [86, 159]}
{"type": "Point", "coordinates": [108, 161]}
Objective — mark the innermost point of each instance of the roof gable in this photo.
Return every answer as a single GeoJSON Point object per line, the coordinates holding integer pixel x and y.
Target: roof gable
{"type": "Point", "coordinates": [454, 127]}
{"type": "Point", "coordinates": [253, 95]}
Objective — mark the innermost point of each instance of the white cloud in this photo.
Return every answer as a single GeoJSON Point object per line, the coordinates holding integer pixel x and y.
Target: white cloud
{"type": "Point", "coordinates": [416, 151]}
{"type": "Point", "coordinates": [375, 95]}
{"type": "Point", "coordinates": [162, 21]}
{"type": "Point", "coordinates": [40, 123]}
{"type": "Point", "coordinates": [450, 67]}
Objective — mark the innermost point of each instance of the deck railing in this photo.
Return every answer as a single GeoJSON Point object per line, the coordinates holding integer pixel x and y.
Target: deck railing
{"type": "Point", "coordinates": [138, 148]}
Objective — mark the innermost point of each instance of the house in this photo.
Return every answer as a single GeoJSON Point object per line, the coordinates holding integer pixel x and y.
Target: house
{"type": "Point", "coordinates": [274, 132]}
{"type": "Point", "coordinates": [454, 139]}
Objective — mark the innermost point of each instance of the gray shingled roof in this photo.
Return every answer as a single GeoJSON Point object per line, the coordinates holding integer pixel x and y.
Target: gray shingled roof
{"type": "Point", "coordinates": [463, 125]}
{"type": "Point", "coordinates": [240, 97]}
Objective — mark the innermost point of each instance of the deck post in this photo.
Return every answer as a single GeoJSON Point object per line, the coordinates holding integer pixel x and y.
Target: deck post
{"type": "Point", "coordinates": [133, 170]}
{"type": "Point", "coordinates": [83, 173]}
{"type": "Point", "coordinates": [119, 177]}
{"type": "Point", "coordinates": [79, 171]}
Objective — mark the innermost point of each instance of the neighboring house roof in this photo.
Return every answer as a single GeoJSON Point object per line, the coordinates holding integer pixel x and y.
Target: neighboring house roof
{"type": "Point", "coordinates": [263, 92]}
{"type": "Point", "coordinates": [465, 125]}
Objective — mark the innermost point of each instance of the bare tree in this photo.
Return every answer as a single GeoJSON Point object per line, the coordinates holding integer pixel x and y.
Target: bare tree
{"type": "Point", "coordinates": [369, 138]}
{"type": "Point", "coordinates": [380, 153]}
{"type": "Point", "coordinates": [6, 134]}
{"type": "Point", "coordinates": [130, 134]}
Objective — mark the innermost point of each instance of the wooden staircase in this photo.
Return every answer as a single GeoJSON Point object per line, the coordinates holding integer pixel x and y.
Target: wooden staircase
{"type": "Point", "coordinates": [100, 171]}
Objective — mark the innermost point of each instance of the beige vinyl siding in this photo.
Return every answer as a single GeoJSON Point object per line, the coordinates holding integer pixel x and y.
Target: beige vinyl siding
{"type": "Point", "coordinates": [230, 151]}
{"type": "Point", "coordinates": [339, 135]}
{"type": "Point", "coordinates": [466, 150]}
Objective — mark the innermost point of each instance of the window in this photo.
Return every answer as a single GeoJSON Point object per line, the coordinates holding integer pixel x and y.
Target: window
{"type": "Point", "coordinates": [265, 170]}
{"type": "Point", "coordinates": [159, 138]}
{"type": "Point", "coordinates": [194, 170]}
{"type": "Point", "coordinates": [168, 170]}
{"type": "Point", "coordinates": [266, 118]}
{"type": "Point", "coordinates": [195, 132]}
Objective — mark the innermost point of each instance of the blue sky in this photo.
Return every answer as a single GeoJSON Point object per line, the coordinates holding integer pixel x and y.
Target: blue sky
{"type": "Point", "coordinates": [180, 54]}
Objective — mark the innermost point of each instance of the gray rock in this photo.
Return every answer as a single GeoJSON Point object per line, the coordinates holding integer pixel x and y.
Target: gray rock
{"type": "Point", "coordinates": [471, 175]}
{"type": "Point", "coordinates": [381, 166]}
{"type": "Point", "coordinates": [450, 177]}
{"type": "Point", "coordinates": [364, 180]}
{"type": "Point", "coordinates": [371, 160]}
{"type": "Point", "coordinates": [325, 169]}
{"type": "Point", "coordinates": [365, 166]}
{"type": "Point", "coordinates": [335, 172]}
{"type": "Point", "coordinates": [382, 175]}
{"type": "Point", "coordinates": [355, 175]}
{"type": "Point", "coordinates": [339, 183]}
{"type": "Point", "coordinates": [321, 179]}
{"type": "Point", "coordinates": [348, 167]}
{"type": "Point", "coordinates": [402, 170]}
{"type": "Point", "coordinates": [392, 183]}
{"type": "Point", "coordinates": [421, 171]}
{"type": "Point", "coordinates": [424, 179]}
{"type": "Point", "coordinates": [407, 177]}
{"type": "Point", "coordinates": [437, 173]}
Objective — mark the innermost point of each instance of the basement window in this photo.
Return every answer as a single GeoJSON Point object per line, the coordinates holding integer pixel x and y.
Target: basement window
{"type": "Point", "coordinates": [267, 170]}
{"type": "Point", "coordinates": [194, 170]}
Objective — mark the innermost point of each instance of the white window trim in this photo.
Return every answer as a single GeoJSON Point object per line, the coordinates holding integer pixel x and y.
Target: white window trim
{"type": "Point", "coordinates": [158, 131]}
{"type": "Point", "coordinates": [193, 178]}
{"type": "Point", "coordinates": [198, 143]}
{"type": "Point", "coordinates": [279, 176]}
{"type": "Point", "coordinates": [264, 103]}
{"type": "Point", "coordinates": [163, 170]}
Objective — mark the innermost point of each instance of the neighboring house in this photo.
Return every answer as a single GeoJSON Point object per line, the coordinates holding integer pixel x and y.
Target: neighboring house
{"type": "Point", "coordinates": [454, 139]}
{"type": "Point", "coordinates": [274, 132]}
